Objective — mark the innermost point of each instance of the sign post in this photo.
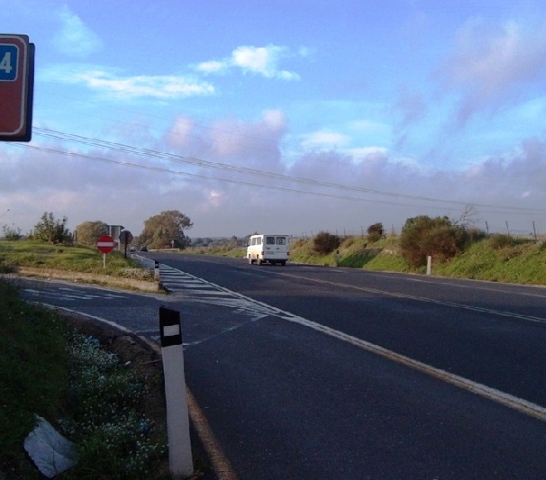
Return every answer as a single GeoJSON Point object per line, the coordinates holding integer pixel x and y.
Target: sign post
{"type": "Point", "coordinates": [16, 87]}
{"type": "Point", "coordinates": [125, 238]}
{"type": "Point", "coordinates": [105, 244]}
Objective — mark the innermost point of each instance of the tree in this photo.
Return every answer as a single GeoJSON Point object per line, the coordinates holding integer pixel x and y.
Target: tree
{"type": "Point", "coordinates": [233, 242]}
{"type": "Point", "coordinates": [51, 230]}
{"type": "Point", "coordinates": [468, 217]}
{"type": "Point", "coordinates": [87, 233]}
{"type": "Point", "coordinates": [166, 230]}
{"type": "Point", "coordinates": [12, 233]}
{"type": "Point", "coordinates": [375, 232]}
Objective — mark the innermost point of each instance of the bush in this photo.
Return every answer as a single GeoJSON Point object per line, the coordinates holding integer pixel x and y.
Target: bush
{"type": "Point", "coordinates": [502, 240]}
{"type": "Point", "coordinates": [375, 232]}
{"type": "Point", "coordinates": [325, 243]}
{"type": "Point", "coordinates": [423, 236]}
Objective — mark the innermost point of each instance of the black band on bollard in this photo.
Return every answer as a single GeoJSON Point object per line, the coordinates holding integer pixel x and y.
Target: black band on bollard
{"type": "Point", "coordinates": [169, 327]}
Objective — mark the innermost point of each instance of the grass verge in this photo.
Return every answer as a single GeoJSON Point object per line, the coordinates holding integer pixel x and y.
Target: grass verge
{"type": "Point", "coordinates": [74, 263]}
{"type": "Point", "coordinates": [516, 261]}
{"type": "Point", "coordinates": [49, 368]}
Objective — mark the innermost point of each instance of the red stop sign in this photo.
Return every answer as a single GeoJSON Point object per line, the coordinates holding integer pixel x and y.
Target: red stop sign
{"type": "Point", "coordinates": [105, 243]}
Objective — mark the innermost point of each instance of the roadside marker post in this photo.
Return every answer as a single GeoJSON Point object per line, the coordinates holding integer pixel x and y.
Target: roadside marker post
{"type": "Point", "coordinates": [178, 425]}
{"type": "Point", "coordinates": [156, 270]}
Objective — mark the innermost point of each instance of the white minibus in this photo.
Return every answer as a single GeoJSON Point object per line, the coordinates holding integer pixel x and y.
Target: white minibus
{"type": "Point", "coordinates": [268, 248]}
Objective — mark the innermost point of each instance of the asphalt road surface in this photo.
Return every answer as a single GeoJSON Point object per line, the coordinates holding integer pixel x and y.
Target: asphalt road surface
{"type": "Point", "coordinates": [329, 373]}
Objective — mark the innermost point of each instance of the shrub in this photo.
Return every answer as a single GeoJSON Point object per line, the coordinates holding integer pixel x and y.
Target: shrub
{"type": "Point", "coordinates": [501, 240]}
{"type": "Point", "coordinates": [375, 232]}
{"type": "Point", "coordinates": [422, 236]}
{"type": "Point", "coordinates": [325, 243]}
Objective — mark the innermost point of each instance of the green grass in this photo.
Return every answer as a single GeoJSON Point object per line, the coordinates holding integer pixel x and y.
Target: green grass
{"type": "Point", "coordinates": [47, 369]}
{"type": "Point", "coordinates": [33, 374]}
{"type": "Point", "coordinates": [518, 263]}
{"type": "Point", "coordinates": [78, 258]}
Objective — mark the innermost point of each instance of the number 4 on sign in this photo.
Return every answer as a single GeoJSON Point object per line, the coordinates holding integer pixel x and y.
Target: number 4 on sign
{"type": "Point", "coordinates": [5, 63]}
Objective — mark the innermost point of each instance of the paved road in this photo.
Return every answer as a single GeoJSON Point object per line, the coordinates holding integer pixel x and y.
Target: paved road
{"type": "Point", "coordinates": [308, 372]}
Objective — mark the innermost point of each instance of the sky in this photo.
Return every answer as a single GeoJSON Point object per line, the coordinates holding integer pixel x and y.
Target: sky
{"type": "Point", "coordinates": [281, 116]}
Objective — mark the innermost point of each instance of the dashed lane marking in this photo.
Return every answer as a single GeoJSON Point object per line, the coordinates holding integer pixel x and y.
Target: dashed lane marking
{"type": "Point", "coordinates": [70, 294]}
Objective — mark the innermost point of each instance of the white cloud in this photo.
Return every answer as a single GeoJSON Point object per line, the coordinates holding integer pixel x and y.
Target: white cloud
{"type": "Point", "coordinates": [249, 143]}
{"type": "Point", "coordinates": [364, 153]}
{"type": "Point", "coordinates": [275, 118]}
{"type": "Point", "coordinates": [75, 38]}
{"type": "Point", "coordinates": [100, 79]}
{"type": "Point", "coordinates": [492, 63]}
{"type": "Point", "coordinates": [324, 139]}
{"type": "Point", "coordinates": [257, 60]}
{"type": "Point", "coordinates": [212, 67]}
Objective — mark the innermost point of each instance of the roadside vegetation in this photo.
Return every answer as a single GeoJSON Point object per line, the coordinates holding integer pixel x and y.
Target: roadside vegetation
{"type": "Point", "coordinates": [50, 369]}
{"type": "Point", "coordinates": [456, 250]}
{"type": "Point", "coordinates": [77, 258]}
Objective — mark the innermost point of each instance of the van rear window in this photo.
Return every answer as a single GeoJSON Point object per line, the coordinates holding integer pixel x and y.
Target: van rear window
{"type": "Point", "coordinates": [270, 240]}
{"type": "Point", "coordinates": [281, 241]}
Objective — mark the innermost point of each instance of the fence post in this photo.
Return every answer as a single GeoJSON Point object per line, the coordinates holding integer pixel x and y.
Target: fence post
{"type": "Point", "coordinates": [429, 265]}
{"type": "Point", "coordinates": [178, 425]}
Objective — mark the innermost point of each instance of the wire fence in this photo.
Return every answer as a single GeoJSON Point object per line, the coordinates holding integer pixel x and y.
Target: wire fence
{"type": "Point", "coordinates": [534, 230]}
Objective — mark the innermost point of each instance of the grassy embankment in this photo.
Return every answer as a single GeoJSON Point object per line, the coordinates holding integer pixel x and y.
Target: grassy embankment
{"type": "Point", "coordinates": [498, 258]}
{"type": "Point", "coordinates": [50, 370]}
{"type": "Point", "coordinates": [74, 263]}
{"type": "Point", "coordinates": [511, 260]}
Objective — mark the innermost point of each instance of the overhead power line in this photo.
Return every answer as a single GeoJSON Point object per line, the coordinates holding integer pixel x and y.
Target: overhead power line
{"type": "Point", "coordinates": [207, 164]}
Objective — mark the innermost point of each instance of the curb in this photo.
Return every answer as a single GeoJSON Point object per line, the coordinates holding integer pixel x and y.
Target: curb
{"type": "Point", "coordinates": [221, 466]}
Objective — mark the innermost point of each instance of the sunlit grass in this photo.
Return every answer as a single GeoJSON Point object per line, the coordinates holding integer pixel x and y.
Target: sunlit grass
{"type": "Point", "coordinates": [495, 258]}
{"type": "Point", "coordinates": [79, 258]}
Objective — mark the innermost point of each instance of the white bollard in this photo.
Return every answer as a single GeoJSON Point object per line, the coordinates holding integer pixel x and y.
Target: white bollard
{"type": "Point", "coordinates": [429, 265]}
{"type": "Point", "coordinates": [178, 424]}
{"type": "Point", "coordinates": [156, 270]}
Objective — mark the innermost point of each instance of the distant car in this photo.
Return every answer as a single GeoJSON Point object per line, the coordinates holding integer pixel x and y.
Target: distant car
{"type": "Point", "coordinates": [144, 248]}
{"type": "Point", "coordinates": [132, 249]}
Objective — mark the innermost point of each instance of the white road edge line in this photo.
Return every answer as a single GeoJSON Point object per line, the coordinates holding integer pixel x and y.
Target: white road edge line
{"type": "Point", "coordinates": [220, 462]}
{"type": "Point", "coordinates": [516, 403]}
{"type": "Point", "coordinates": [506, 399]}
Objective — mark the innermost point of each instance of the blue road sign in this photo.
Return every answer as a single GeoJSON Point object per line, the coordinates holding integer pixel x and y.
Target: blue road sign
{"type": "Point", "coordinates": [9, 60]}
{"type": "Point", "coordinates": [16, 87]}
